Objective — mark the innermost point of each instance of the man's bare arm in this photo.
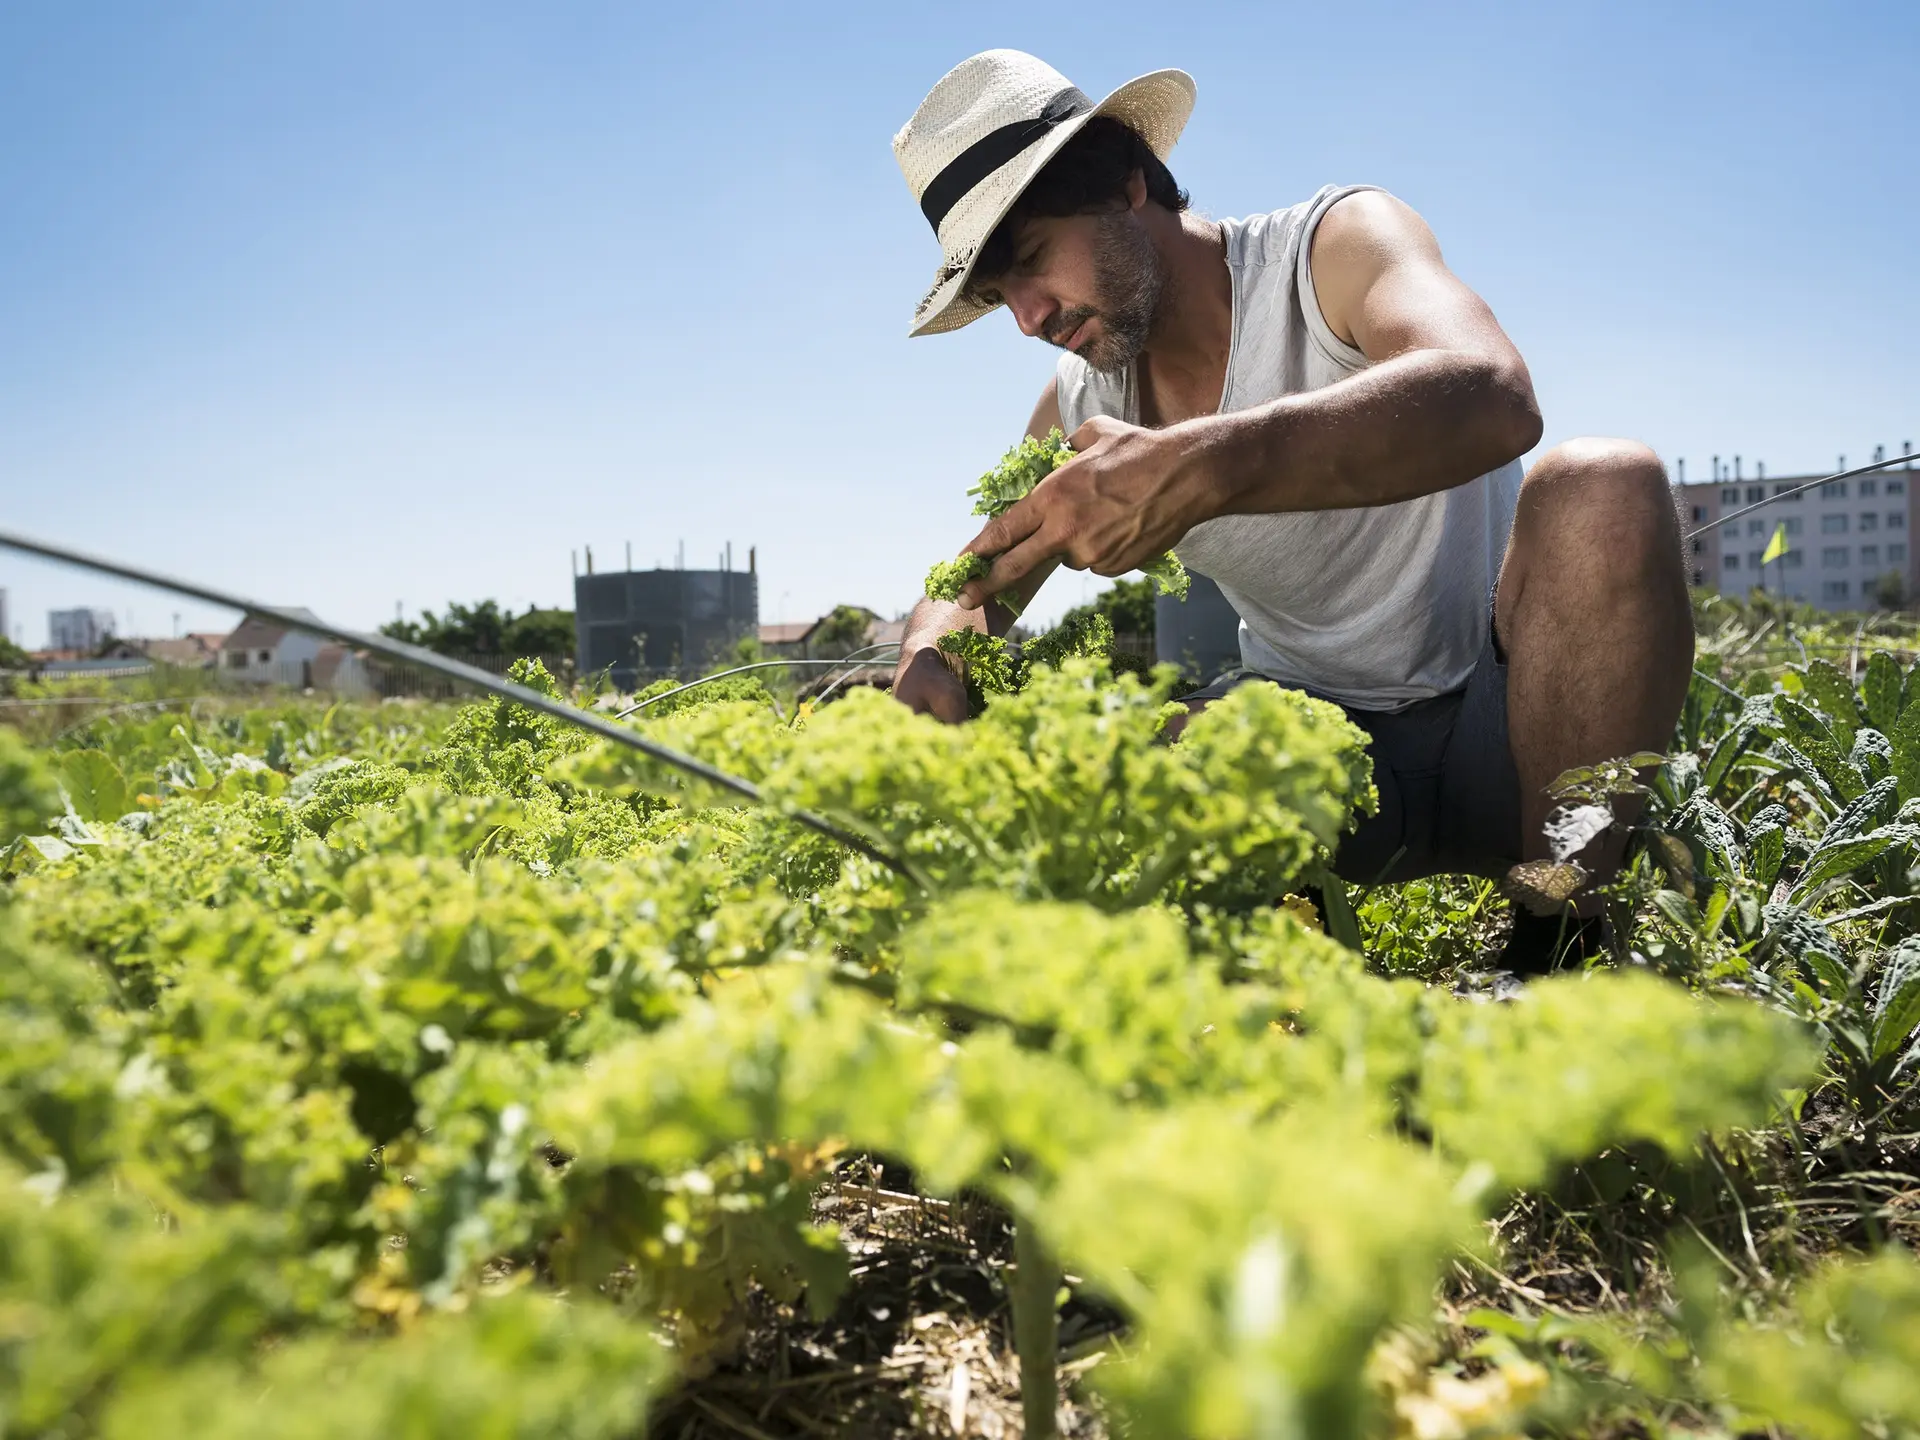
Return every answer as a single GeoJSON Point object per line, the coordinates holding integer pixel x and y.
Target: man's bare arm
{"type": "Point", "coordinates": [1446, 398]}
{"type": "Point", "coordinates": [921, 679]}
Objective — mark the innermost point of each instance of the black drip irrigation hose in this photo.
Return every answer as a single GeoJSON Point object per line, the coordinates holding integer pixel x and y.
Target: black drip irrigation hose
{"type": "Point", "coordinates": [737, 670]}
{"type": "Point", "coordinates": [456, 670]}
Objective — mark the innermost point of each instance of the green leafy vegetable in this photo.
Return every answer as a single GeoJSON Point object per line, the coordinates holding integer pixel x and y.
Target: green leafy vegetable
{"type": "Point", "coordinates": [338, 1045]}
{"type": "Point", "coordinates": [1088, 635]}
{"type": "Point", "coordinates": [986, 662]}
{"type": "Point", "coordinates": [1011, 480]}
{"type": "Point", "coordinates": [948, 577]}
{"type": "Point", "coordinates": [1019, 470]}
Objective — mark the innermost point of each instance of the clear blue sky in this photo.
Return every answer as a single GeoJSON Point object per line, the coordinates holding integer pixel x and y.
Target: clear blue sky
{"type": "Point", "coordinates": [346, 304]}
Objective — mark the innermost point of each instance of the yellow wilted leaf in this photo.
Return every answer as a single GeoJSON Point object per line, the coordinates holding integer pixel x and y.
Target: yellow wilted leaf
{"type": "Point", "coordinates": [1302, 909]}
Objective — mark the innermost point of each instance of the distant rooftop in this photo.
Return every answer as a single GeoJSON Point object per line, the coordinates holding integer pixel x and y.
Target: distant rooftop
{"type": "Point", "coordinates": [254, 633]}
{"type": "Point", "coordinates": [790, 632]}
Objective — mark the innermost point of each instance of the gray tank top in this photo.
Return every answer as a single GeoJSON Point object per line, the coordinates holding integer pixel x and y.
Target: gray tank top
{"type": "Point", "coordinates": [1377, 607]}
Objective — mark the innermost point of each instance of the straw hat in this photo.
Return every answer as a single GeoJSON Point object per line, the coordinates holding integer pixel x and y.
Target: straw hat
{"type": "Point", "coordinates": [985, 131]}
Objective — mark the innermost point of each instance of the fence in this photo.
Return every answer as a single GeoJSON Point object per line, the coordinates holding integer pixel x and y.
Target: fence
{"type": "Point", "coordinates": [335, 671]}
{"type": "Point", "coordinates": [372, 678]}
{"type": "Point", "coordinates": [338, 671]}
{"type": "Point", "coordinates": [82, 670]}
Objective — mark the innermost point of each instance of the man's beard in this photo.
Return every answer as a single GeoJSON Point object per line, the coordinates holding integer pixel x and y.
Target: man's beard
{"type": "Point", "coordinates": [1128, 280]}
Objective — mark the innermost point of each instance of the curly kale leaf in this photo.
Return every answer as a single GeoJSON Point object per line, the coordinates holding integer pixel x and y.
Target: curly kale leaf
{"type": "Point", "coordinates": [660, 698]}
{"type": "Point", "coordinates": [945, 580]}
{"type": "Point", "coordinates": [1090, 635]}
{"type": "Point", "coordinates": [989, 666]}
{"type": "Point", "coordinates": [1013, 479]}
{"type": "Point", "coordinates": [1168, 574]}
{"type": "Point", "coordinates": [1019, 470]}
{"type": "Point", "coordinates": [28, 794]}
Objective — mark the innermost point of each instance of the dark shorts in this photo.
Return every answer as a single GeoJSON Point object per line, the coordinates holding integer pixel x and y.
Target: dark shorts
{"type": "Point", "coordinates": [1449, 795]}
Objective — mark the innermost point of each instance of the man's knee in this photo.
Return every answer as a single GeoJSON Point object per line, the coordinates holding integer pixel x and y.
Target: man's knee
{"type": "Point", "coordinates": [1607, 500]}
{"type": "Point", "coordinates": [1597, 472]}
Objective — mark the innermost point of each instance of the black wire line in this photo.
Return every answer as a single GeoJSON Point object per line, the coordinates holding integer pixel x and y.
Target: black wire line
{"type": "Point", "coordinates": [454, 670]}
{"type": "Point", "coordinates": [639, 705]}
{"type": "Point", "coordinates": [1799, 489]}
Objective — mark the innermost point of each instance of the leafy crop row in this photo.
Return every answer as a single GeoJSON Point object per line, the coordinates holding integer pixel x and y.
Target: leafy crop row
{"type": "Point", "coordinates": [467, 1077]}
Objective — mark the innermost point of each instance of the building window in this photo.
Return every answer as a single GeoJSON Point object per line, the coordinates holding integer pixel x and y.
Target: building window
{"type": "Point", "coordinates": [1780, 490]}
{"type": "Point", "coordinates": [1756, 493]}
{"type": "Point", "coordinates": [1731, 562]}
{"type": "Point", "coordinates": [1756, 526]}
{"type": "Point", "coordinates": [1833, 590]}
{"type": "Point", "coordinates": [1896, 519]}
{"type": "Point", "coordinates": [1793, 559]}
{"type": "Point", "coordinates": [1730, 495]}
{"type": "Point", "coordinates": [1833, 524]}
{"type": "Point", "coordinates": [1753, 559]}
{"type": "Point", "coordinates": [1869, 555]}
{"type": "Point", "coordinates": [1896, 486]}
{"type": "Point", "coordinates": [1896, 554]}
{"type": "Point", "coordinates": [1699, 546]}
{"type": "Point", "coordinates": [236, 659]}
{"type": "Point", "coordinates": [1792, 522]}
{"type": "Point", "coordinates": [1834, 490]}
{"type": "Point", "coordinates": [1867, 488]}
{"type": "Point", "coordinates": [1870, 521]}
{"type": "Point", "coordinates": [1834, 557]}
{"type": "Point", "coordinates": [266, 656]}
{"type": "Point", "coordinates": [1699, 577]}
{"type": "Point", "coordinates": [1699, 513]}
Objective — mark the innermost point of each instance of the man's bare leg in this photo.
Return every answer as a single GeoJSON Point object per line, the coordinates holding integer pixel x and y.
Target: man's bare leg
{"type": "Point", "coordinates": [1593, 614]}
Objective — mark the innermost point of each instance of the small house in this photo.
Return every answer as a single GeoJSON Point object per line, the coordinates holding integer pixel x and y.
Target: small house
{"type": "Point", "coordinates": [266, 652]}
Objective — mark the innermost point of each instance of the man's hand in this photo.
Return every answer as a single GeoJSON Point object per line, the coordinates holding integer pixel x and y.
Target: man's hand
{"type": "Point", "coordinates": [1130, 495]}
{"type": "Point", "coordinates": [925, 685]}
{"type": "Point", "coordinates": [923, 681]}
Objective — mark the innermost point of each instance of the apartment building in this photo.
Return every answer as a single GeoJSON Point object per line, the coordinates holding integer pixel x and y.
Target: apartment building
{"type": "Point", "coordinates": [80, 631]}
{"type": "Point", "coordinates": [1849, 544]}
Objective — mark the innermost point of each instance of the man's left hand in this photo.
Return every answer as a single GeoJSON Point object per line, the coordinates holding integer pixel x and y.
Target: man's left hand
{"type": "Point", "coordinates": [1129, 495]}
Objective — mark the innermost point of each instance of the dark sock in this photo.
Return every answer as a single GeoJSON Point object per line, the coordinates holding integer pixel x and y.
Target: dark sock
{"type": "Point", "coordinates": [1541, 944]}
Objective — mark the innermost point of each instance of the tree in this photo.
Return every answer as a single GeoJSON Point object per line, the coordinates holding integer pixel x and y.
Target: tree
{"type": "Point", "coordinates": [1128, 607]}
{"type": "Point", "coordinates": [12, 657]}
{"type": "Point", "coordinates": [844, 630]}
{"type": "Point", "coordinates": [1890, 591]}
{"type": "Point", "coordinates": [540, 632]}
{"type": "Point", "coordinates": [484, 628]}
{"type": "Point", "coordinates": [747, 650]}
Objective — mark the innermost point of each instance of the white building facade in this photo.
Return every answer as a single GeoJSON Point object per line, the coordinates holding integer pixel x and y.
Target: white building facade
{"type": "Point", "coordinates": [261, 651]}
{"type": "Point", "coordinates": [1849, 542]}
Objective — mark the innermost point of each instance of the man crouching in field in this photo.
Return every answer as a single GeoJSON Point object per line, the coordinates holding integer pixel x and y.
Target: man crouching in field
{"type": "Point", "coordinates": [1308, 407]}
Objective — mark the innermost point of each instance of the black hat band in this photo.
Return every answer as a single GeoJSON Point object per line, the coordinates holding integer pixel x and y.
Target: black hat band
{"type": "Point", "coordinates": [994, 149]}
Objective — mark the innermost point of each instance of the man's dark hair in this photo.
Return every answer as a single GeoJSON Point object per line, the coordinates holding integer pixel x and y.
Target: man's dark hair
{"type": "Point", "coordinates": [1087, 176]}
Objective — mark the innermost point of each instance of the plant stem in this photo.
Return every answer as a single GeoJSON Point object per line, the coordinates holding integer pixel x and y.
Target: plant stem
{"type": "Point", "coordinates": [1036, 1280]}
{"type": "Point", "coordinates": [1342, 924]}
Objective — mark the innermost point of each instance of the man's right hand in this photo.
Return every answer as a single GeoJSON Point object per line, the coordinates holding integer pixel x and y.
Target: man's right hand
{"type": "Point", "coordinates": [925, 685]}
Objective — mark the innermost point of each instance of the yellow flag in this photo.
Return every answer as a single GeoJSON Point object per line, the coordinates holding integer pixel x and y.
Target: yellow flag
{"type": "Point", "coordinates": [1777, 546]}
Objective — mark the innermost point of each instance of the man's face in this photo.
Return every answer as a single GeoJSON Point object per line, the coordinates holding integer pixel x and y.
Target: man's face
{"type": "Point", "coordinates": [1086, 283]}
